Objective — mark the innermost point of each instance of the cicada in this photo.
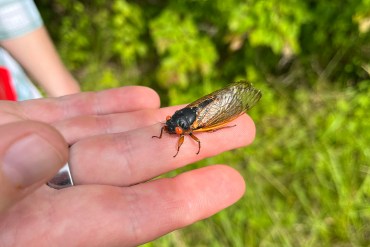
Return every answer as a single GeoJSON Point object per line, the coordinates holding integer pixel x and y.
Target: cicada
{"type": "Point", "coordinates": [211, 112]}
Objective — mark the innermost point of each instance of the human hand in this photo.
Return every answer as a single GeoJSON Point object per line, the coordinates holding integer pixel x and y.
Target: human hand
{"type": "Point", "coordinates": [111, 155]}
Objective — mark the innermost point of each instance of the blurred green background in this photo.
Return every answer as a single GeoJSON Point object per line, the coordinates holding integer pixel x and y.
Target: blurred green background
{"type": "Point", "coordinates": [308, 171]}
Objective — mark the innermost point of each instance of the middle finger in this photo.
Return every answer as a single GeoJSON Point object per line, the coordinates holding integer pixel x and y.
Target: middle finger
{"type": "Point", "coordinates": [78, 128]}
{"type": "Point", "coordinates": [131, 157]}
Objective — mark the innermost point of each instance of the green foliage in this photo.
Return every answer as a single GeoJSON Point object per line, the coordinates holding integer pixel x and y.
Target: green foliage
{"type": "Point", "coordinates": [180, 43]}
{"type": "Point", "coordinates": [275, 23]}
{"type": "Point", "coordinates": [128, 27]}
{"type": "Point", "coordinates": [308, 171]}
{"type": "Point", "coordinates": [183, 51]}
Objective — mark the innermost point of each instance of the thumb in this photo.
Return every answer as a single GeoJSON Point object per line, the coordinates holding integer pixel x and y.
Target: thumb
{"type": "Point", "coordinates": [30, 154]}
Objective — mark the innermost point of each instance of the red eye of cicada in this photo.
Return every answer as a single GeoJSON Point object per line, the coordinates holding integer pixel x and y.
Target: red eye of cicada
{"type": "Point", "coordinates": [179, 130]}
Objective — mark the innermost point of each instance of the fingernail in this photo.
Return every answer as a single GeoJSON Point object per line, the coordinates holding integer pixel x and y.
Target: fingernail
{"type": "Point", "coordinates": [29, 160]}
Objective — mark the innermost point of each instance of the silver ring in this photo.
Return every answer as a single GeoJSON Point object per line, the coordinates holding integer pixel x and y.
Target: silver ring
{"type": "Point", "coordinates": [63, 179]}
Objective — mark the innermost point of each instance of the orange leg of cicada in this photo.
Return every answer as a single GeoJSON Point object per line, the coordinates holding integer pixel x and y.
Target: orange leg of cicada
{"type": "Point", "coordinates": [160, 135]}
{"type": "Point", "coordinates": [179, 143]}
{"type": "Point", "coordinates": [219, 128]}
{"type": "Point", "coordinates": [195, 139]}
{"type": "Point", "coordinates": [214, 128]}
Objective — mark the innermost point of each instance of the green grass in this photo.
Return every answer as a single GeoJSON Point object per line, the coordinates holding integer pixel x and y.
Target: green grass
{"type": "Point", "coordinates": [307, 175]}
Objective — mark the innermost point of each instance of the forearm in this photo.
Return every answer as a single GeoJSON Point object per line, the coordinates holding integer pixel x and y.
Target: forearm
{"type": "Point", "coordinates": [36, 53]}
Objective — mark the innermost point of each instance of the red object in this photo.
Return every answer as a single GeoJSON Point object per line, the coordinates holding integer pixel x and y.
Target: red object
{"type": "Point", "coordinates": [7, 91]}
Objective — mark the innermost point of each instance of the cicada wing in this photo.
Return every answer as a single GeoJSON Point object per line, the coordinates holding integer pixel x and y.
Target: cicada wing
{"type": "Point", "coordinates": [225, 104]}
{"type": "Point", "coordinates": [249, 96]}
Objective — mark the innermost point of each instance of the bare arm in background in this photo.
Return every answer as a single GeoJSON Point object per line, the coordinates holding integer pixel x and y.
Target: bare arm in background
{"type": "Point", "coordinates": [37, 55]}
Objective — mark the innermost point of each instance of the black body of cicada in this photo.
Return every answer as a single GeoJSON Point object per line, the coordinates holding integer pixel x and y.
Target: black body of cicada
{"type": "Point", "coordinates": [211, 112]}
{"type": "Point", "coordinates": [183, 118]}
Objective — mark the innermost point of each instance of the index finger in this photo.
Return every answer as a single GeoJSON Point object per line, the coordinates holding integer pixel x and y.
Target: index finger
{"type": "Point", "coordinates": [49, 110]}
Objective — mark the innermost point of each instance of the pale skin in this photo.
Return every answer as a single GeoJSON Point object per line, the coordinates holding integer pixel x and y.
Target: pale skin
{"type": "Point", "coordinates": [112, 156]}
{"type": "Point", "coordinates": [38, 56]}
